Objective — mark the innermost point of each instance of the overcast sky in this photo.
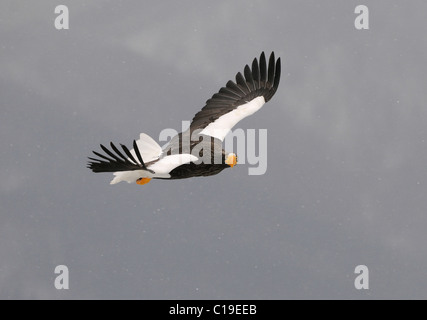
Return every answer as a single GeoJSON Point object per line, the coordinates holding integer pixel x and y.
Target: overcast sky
{"type": "Point", "coordinates": [346, 182]}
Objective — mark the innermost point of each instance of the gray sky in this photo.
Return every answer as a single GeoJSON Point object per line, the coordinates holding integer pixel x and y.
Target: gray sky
{"type": "Point", "coordinates": [346, 183]}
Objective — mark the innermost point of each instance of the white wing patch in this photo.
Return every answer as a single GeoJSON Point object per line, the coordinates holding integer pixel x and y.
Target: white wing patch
{"type": "Point", "coordinates": [161, 168]}
{"type": "Point", "coordinates": [221, 126]}
{"type": "Point", "coordinates": [150, 149]}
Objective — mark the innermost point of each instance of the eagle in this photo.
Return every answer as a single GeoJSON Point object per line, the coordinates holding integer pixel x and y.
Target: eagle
{"type": "Point", "coordinates": [197, 151]}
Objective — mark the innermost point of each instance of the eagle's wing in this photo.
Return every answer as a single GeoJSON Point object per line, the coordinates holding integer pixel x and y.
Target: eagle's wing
{"type": "Point", "coordinates": [236, 101]}
{"type": "Point", "coordinates": [117, 161]}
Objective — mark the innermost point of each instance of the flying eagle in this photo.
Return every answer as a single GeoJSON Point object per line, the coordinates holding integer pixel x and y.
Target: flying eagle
{"type": "Point", "coordinates": [197, 151]}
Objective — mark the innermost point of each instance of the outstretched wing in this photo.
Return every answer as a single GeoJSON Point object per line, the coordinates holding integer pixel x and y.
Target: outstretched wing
{"type": "Point", "coordinates": [236, 101]}
{"type": "Point", "coordinates": [117, 161]}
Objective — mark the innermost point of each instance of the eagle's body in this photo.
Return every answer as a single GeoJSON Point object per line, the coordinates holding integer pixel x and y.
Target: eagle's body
{"type": "Point", "coordinates": [197, 151]}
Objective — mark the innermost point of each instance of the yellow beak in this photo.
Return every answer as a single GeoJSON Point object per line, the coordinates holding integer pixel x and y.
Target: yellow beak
{"type": "Point", "coordinates": [231, 160]}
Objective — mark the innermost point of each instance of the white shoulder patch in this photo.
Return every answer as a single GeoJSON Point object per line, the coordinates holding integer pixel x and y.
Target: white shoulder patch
{"type": "Point", "coordinates": [168, 163]}
{"type": "Point", "coordinates": [221, 126]}
{"type": "Point", "coordinates": [161, 169]}
{"type": "Point", "coordinates": [150, 149]}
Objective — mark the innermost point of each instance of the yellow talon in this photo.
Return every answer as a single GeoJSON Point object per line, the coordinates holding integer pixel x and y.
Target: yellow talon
{"type": "Point", "coordinates": [142, 181]}
{"type": "Point", "coordinates": [231, 160]}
